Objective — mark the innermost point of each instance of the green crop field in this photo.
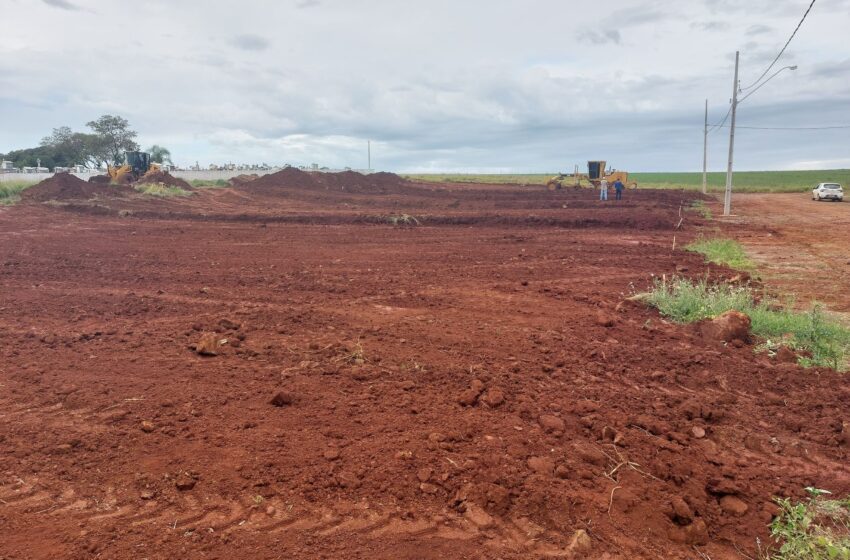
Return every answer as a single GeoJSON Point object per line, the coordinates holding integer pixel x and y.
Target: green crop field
{"type": "Point", "coordinates": [744, 181]}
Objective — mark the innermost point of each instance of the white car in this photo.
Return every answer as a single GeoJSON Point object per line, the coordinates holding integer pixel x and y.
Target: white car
{"type": "Point", "coordinates": [828, 191]}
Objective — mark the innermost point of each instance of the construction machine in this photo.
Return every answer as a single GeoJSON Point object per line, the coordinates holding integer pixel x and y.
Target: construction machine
{"type": "Point", "coordinates": [596, 172]}
{"type": "Point", "coordinates": [136, 165]}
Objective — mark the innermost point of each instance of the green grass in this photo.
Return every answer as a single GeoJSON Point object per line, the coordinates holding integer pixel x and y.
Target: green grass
{"type": "Point", "coordinates": [209, 183]}
{"type": "Point", "coordinates": [160, 190]}
{"type": "Point", "coordinates": [812, 332]}
{"type": "Point", "coordinates": [744, 181]}
{"type": "Point", "coordinates": [722, 251]}
{"type": "Point", "coordinates": [815, 529]}
{"type": "Point", "coordinates": [10, 192]}
{"type": "Point", "coordinates": [700, 208]}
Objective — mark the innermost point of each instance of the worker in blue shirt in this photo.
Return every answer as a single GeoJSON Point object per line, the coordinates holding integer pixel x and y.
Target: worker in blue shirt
{"type": "Point", "coordinates": [618, 187]}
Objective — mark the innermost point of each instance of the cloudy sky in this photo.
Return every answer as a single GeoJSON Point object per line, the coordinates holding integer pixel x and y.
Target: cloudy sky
{"type": "Point", "coordinates": [442, 85]}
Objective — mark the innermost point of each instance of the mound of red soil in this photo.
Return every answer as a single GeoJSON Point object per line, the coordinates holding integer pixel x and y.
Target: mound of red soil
{"type": "Point", "coordinates": [242, 179]}
{"type": "Point", "coordinates": [164, 178]}
{"type": "Point", "coordinates": [100, 179]}
{"type": "Point", "coordinates": [345, 182]}
{"type": "Point", "coordinates": [64, 186]}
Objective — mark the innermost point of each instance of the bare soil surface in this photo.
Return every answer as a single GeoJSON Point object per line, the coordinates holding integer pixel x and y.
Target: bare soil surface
{"type": "Point", "coordinates": [474, 386]}
{"type": "Point", "coordinates": [800, 246]}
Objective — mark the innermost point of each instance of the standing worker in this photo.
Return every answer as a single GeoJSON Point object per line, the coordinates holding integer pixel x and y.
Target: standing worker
{"type": "Point", "coordinates": [603, 190]}
{"type": "Point", "coordinates": [618, 187]}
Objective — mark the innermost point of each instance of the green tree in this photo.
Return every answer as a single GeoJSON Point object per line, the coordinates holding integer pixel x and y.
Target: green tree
{"type": "Point", "coordinates": [114, 138]}
{"type": "Point", "coordinates": [160, 154]}
{"type": "Point", "coordinates": [68, 148]}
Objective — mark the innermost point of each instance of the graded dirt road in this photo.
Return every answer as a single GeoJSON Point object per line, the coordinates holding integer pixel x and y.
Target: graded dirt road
{"type": "Point", "coordinates": [468, 385]}
{"type": "Point", "coordinates": [800, 246]}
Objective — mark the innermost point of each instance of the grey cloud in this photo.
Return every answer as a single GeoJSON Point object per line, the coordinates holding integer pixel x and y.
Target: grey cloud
{"type": "Point", "coordinates": [250, 42]}
{"type": "Point", "coordinates": [758, 29]}
{"type": "Point", "coordinates": [303, 4]}
{"type": "Point", "coordinates": [711, 25]}
{"type": "Point", "coordinates": [602, 37]}
{"type": "Point", "coordinates": [61, 4]}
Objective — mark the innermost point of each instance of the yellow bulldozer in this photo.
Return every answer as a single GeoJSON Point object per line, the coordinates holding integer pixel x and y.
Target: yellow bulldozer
{"type": "Point", "coordinates": [596, 172]}
{"type": "Point", "coordinates": [136, 165]}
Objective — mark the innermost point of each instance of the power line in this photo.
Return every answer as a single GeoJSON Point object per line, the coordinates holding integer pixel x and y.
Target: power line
{"type": "Point", "coordinates": [714, 127]}
{"type": "Point", "coordinates": [843, 126]}
{"type": "Point", "coordinates": [788, 42]}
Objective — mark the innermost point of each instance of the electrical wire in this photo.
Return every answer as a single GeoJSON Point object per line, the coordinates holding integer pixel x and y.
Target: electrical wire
{"type": "Point", "coordinates": [714, 127]}
{"type": "Point", "coordinates": [788, 42]}
{"type": "Point", "coordinates": [843, 126]}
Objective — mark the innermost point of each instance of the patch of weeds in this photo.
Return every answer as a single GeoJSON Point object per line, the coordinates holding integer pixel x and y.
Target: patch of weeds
{"type": "Point", "coordinates": [161, 190]}
{"type": "Point", "coordinates": [209, 183]}
{"type": "Point", "coordinates": [10, 193]}
{"type": "Point", "coordinates": [403, 220]}
{"type": "Point", "coordinates": [815, 529]}
{"type": "Point", "coordinates": [812, 332]}
{"type": "Point", "coordinates": [700, 208]}
{"type": "Point", "coordinates": [722, 251]}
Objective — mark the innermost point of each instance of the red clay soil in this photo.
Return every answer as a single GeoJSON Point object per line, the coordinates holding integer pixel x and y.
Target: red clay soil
{"type": "Point", "coordinates": [164, 178]}
{"type": "Point", "coordinates": [481, 390]}
{"type": "Point", "coordinates": [64, 186]}
{"type": "Point", "coordinates": [346, 181]}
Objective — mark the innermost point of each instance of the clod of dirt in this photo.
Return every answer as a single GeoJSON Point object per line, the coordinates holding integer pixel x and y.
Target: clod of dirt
{"type": "Point", "coordinates": [494, 397]}
{"type": "Point", "coordinates": [478, 516]}
{"type": "Point", "coordinates": [184, 482]}
{"type": "Point", "coordinates": [603, 319]}
{"type": "Point", "coordinates": [786, 355]}
{"type": "Point", "coordinates": [698, 432]}
{"type": "Point", "coordinates": [424, 474]}
{"type": "Point", "coordinates": [331, 454]}
{"type": "Point", "coordinates": [733, 505]}
{"type": "Point", "coordinates": [682, 513]}
{"type": "Point", "coordinates": [580, 543]}
{"type": "Point", "coordinates": [695, 534]}
{"type": "Point", "coordinates": [551, 423]}
{"type": "Point", "coordinates": [208, 345]}
{"type": "Point", "coordinates": [64, 186]}
{"type": "Point", "coordinates": [281, 399]}
{"type": "Point", "coordinates": [147, 494]}
{"type": "Point", "coordinates": [541, 465]}
{"type": "Point", "coordinates": [728, 326]}
{"type": "Point", "coordinates": [470, 396]}
{"type": "Point", "coordinates": [229, 325]}
{"type": "Point", "coordinates": [147, 426]}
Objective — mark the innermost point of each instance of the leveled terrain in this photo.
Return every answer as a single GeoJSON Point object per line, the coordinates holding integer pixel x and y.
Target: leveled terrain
{"type": "Point", "coordinates": [405, 371]}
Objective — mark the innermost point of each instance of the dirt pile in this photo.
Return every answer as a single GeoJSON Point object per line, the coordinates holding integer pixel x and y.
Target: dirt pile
{"type": "Point", "coordinates": [242, 179]}
{"type": "Point", "coordinates": [64, 186]}
{"type": "Point", "coordinates": [164, 178]}
{"type": "Point", "coordinates": [344, 182]}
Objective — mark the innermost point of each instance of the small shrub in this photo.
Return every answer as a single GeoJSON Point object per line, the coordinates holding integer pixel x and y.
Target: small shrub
{"type": "Point", "coordinates": [722, 251]}
{"type": "Point", "coordinates": [815, 529]}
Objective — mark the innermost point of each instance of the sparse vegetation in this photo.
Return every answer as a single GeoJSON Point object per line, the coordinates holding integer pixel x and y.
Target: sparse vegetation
{"type": "Point", "coordinates": [160, 190]}
{"type": "Point", "coordinates": [403, 220]}
{"type": "Point", "coordinates": [209, 183]}
{"type": "Point", "coordinates": [815, 529]}
{"type": "Point", "coordinates": [10, 192]}
{"type": "Point", "coordinates": [722, 251]}
{"type": "Point", "coordinates": [826, 341]}
{"type": "Point", "coordinates": [700, 208]}
{"type": "Point", "coordinates": [745, 181]}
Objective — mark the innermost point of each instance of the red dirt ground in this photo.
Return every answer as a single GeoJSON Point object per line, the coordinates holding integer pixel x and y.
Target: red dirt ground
{"type": "Point", "coordinates": [469, 387]}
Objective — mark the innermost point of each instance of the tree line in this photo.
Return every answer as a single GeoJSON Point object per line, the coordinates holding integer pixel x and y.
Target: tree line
{"type": "Point", "coordinates": [109, 138]}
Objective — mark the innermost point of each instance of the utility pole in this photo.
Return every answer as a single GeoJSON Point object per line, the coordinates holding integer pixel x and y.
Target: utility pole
{"type": "Point", "coordinates": [705, 151]}
{"type": "Point", "coordinates": [369, 154]}
{"type": "Point", "coordinates": [727, 201]}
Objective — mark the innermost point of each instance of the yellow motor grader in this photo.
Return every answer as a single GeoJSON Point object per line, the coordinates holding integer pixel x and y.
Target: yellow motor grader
{"type": "Point", "coordinates": [136, 165]}
{"type": "Point", "coordinates": [596, 172]}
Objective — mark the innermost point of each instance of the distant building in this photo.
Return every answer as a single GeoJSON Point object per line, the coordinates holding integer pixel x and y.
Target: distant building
{"type": "Point", "coordinates": [7, 166]}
